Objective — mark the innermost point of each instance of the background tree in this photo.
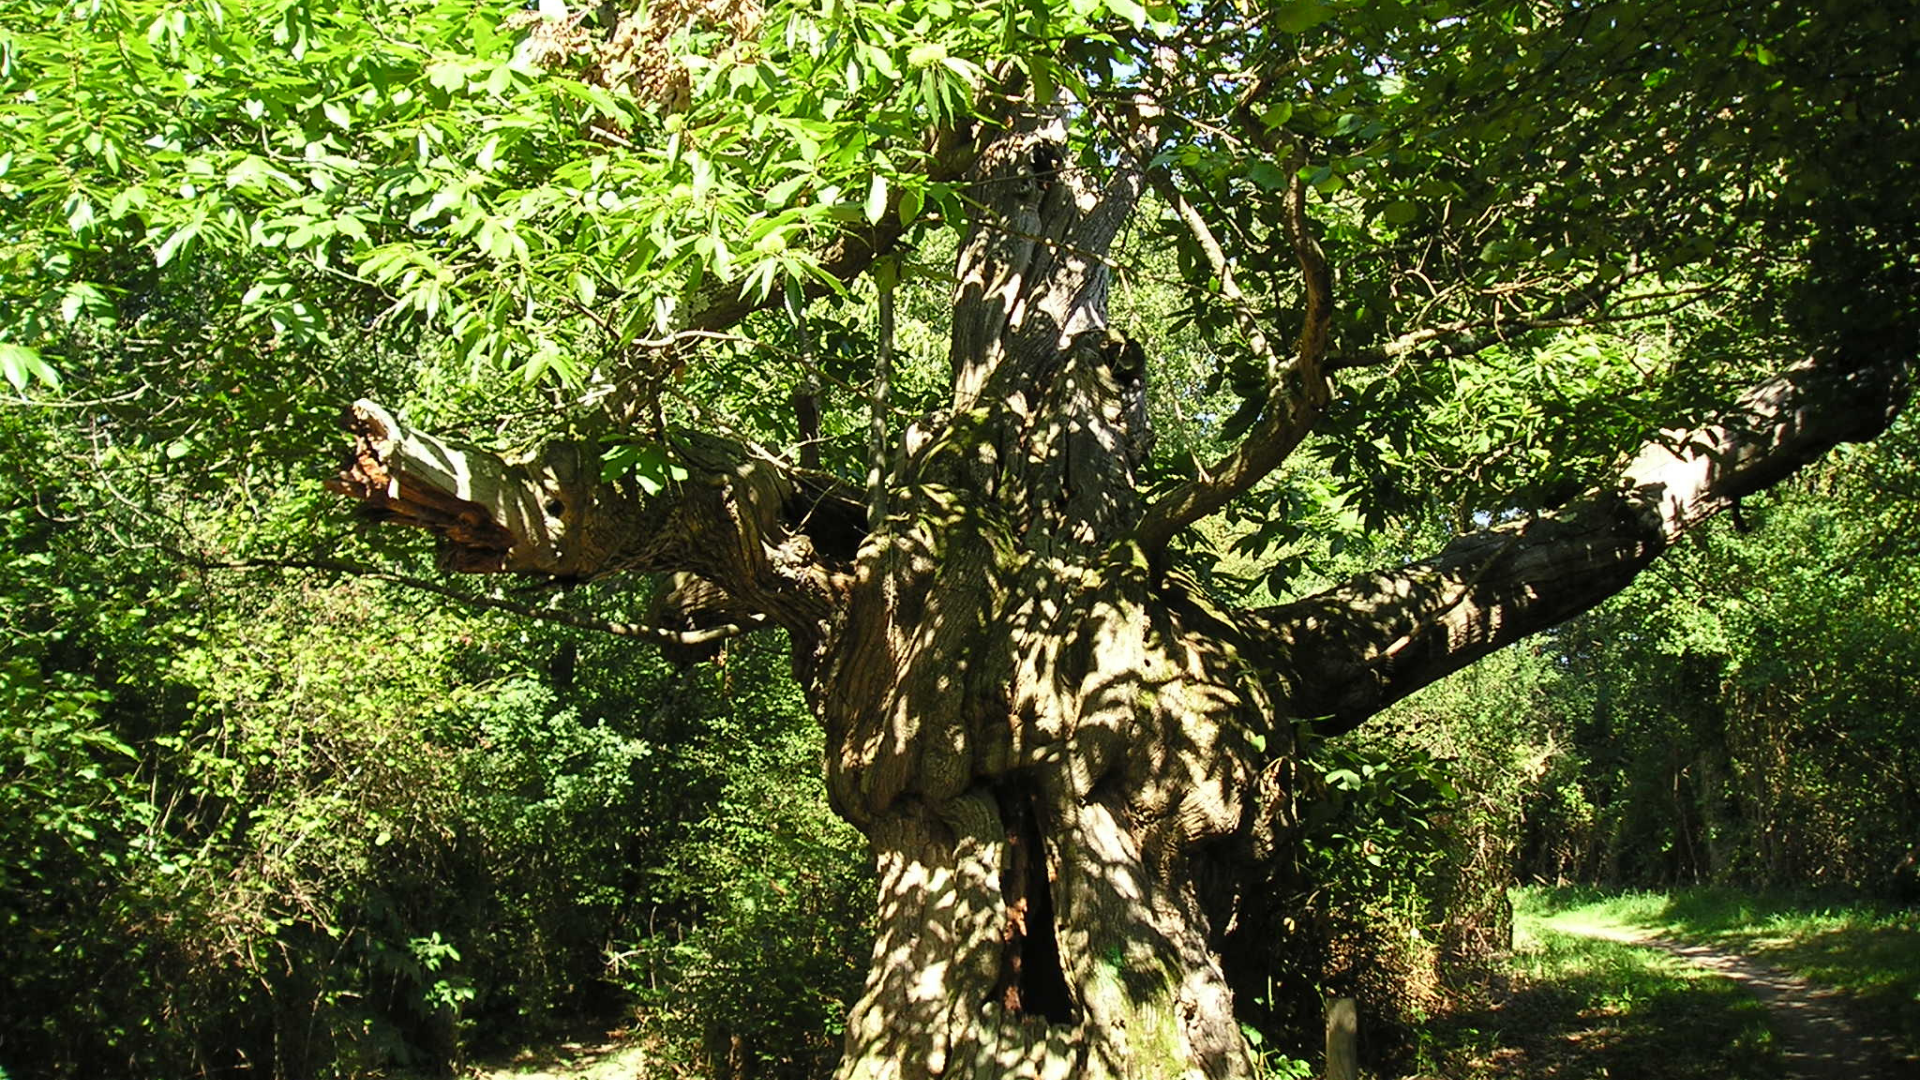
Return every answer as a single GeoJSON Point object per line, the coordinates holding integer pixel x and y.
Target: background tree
{"type": "Point", "coordinates": [1718, 733]}
{"type": "Point", "coordinates": [303, 822]}
{"type": "Point", "coordinates": [658, 252]}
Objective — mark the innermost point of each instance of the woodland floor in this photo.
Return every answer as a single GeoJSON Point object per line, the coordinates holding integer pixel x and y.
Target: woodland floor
{"type": "Point", "coordinates": [1620, 989]}
{"type": "Point", "coordinates": [1609, 990]}
{"type": "Point", "coordinates": [581, 1059]}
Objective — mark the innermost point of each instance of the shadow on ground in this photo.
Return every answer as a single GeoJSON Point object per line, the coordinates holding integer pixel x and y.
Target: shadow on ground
{"type": "Point", "coordinates": [1582, 1009]}
{"type": "Point", "coordinates": [1870, 954]}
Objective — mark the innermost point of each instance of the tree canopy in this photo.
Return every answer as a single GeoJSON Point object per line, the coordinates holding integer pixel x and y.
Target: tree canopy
{"type": "Point", "coordinates": [564, 199]}
{"type": "Point", "coordinates": [1546, 232]}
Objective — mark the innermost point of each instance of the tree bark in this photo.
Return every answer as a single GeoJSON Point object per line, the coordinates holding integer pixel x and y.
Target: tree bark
{"type": "Point", "coordinates": [1040, 751]}
{"type": "Point", "coordinates": [1071, 766]}
{"type": "Point", "coordinates": [1357, 648]}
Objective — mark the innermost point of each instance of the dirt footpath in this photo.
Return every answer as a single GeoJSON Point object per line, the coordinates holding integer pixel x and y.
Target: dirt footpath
{"type": "Point", "coordinates": [1817, 1039]}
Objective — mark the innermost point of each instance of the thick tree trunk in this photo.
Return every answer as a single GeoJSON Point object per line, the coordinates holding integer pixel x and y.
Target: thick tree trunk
{"type": "Point", "coordinates": [1040, 734]}
{"type": "Point", "coordinates": [1039, 751]}
{"type": "Point", "coordinates": [1070, 766]}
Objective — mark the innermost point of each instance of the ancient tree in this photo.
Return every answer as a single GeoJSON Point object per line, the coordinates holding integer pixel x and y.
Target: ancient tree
{"type": "Point", "coordinates": [1068, 752]}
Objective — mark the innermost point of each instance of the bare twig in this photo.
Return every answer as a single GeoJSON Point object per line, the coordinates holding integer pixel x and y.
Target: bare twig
{"type": "Point", "coordinates": [654, 634]}
{"type": "Point", "coordinates": [1469, 336]}
{"type": "Point", "coordinates": [1297, 390]}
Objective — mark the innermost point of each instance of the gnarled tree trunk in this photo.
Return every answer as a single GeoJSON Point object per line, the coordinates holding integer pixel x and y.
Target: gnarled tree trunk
{"type": "Point", "coordinates": [1041, 748]}
{"type": "Point", "coordinates": [1072, 767]}
{"type": "Point", "coordinates": [1038, 731]}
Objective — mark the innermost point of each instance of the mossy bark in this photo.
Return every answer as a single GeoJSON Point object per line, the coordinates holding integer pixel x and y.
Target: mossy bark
{"type": "Point", "coordinates": [1050, 758]}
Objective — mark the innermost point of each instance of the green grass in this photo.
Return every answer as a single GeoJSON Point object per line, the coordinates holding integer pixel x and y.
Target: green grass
{"type": "Point", "coordinates": [1571, 1007]}
{"type": "Point", "coordinates": [1870, 952]}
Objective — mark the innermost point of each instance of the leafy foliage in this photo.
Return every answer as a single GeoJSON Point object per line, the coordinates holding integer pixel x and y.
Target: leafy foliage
{"type": "Point", "coordinates": [761, 981]}
{"type": "Point", "coordinates": [357, 829]}
{"type": "Point", "coordinates": [539, 199]}
{"type": "Point", "coordinates": [326, 826]}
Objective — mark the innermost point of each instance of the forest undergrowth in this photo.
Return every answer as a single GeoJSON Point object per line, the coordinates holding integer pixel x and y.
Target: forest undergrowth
{"type": "Point", "coordinates": [1574, 1000]}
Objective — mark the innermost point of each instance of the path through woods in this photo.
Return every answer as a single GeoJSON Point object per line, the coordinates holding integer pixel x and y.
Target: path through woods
{"type": "Point", "coordinates": [1817, 1039]}
{"type": "Point", "coordinates": [578, 1059]}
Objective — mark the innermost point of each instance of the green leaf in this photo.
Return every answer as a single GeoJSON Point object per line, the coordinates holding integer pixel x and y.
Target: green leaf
{"type": "Point", "coordinates": [82, 298]}
{"type": "Point", "coordinates": [781, 194]}
{"type": "Point", "coordinates": [1266, 175]}
{"type": "Point", "coordinates": [1299, 16]}
{"type": "Point", "coordinates": [21, 364]}
{"type": "Point", "coordinates": [448, 75]}
{"type": "Point", "coordinates": [648, 464]}
{"type": "Point", "coordinates": [172, 246]}
{"type": "Point", "coordinates": [1400, 212]}
{"type": "Point", "coordinates": [876, 207]}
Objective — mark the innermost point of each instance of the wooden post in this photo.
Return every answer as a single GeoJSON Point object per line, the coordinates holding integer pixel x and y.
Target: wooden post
{"type": "Point", "coordinates": [1343, 1038]}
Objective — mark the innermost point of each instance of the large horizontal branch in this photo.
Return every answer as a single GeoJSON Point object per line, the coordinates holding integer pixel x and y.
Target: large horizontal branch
{"type": "Point", "coordinates": [770, 537]}
{"type": "Point", "coordinates": [1350, 651]}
